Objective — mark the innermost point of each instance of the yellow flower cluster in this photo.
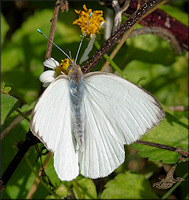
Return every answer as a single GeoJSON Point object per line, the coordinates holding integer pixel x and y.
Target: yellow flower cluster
{"type": "Point", "coordinates": [95, 21]}
{"type": "Point", "coordinates": [63, 67]}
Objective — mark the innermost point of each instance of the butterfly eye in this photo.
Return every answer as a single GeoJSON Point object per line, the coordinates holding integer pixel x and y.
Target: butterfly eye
{"type": "Point", "coordinates": [70, 69]}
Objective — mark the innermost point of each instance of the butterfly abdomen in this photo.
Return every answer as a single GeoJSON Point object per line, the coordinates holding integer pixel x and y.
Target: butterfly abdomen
{"type": "Point", "coordinates": [76, 87]}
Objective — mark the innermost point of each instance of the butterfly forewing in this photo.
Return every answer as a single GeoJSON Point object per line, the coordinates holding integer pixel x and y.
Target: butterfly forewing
{"type": "Point", "coordinates": [51, 123]}
{"type": "Point", "coordinates": [102, 154]}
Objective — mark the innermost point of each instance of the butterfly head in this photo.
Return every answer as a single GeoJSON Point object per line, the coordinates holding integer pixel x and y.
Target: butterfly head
{"type": "Point", "coordinates": [67, 66]}
{"type": "Point", "coordinates": [74, 70]}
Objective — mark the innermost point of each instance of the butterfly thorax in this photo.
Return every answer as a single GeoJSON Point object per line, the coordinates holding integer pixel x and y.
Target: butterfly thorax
{"type": "Point", "coordinates": [76, 88]}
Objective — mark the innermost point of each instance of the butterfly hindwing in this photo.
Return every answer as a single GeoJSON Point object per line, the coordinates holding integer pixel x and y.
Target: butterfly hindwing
{"type": "Point", "coordinates": [102, 154]}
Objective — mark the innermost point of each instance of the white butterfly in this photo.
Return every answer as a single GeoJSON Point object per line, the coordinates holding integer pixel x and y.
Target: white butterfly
{"type": "Point", "coordinates": [87, 119]}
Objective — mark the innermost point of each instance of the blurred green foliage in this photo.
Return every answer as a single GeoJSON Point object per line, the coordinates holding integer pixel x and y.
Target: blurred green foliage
{"type": "Point", "coordinates": [147, 58]}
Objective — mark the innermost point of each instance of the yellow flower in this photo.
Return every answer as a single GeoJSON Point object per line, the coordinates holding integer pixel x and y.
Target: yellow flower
{"type": "Point", "coordinates": [56, 69]}
{"type": "Point", "coordinates": [95, 23]}
{"type": "Point", "coordinates": [63, 67]}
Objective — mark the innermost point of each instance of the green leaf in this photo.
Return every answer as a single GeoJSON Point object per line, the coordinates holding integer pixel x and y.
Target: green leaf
{"type": "Point", "coordinates": [8, 105]}
{"type": "Point", "coordinates": [87, 189]}
{"type": "Point", "coordinates": [4, 28]}
{"type": "Point", "coordinates": [7, 89]}
{"type": "Point", "coordinates": [140, 80]}
{"type": "Point", "coordinates": [2, 85]}
{"type": "Point", "coordinates": [128, 186]}
{"type": "Point", "coordinates": [176, 13]}
{"type": "Point", "coordinates": [171, 131]}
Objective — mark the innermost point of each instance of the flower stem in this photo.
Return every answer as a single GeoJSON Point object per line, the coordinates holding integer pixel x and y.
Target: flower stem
{"type": "Point", "coordinates": [110, 61]}
{"type": "Point", "coordinates": [75, 185]}
{"type": "Point", "coordinates": [22, 114]}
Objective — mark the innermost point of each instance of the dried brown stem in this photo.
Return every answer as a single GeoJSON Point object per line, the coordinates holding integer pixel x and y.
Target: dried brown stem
{"type": "Point", "coordinates": [163, 146]}
{"type": "Point", "coordinates": [52, 31]}
{"type": "Point", "coordinates": [118, 13]}
{"type": "Point", "coordinates": [168, 181]}
{"type": "Point", "coordinates": [161, 32]}
{"type": "Point", "coordinates": [178, 108]}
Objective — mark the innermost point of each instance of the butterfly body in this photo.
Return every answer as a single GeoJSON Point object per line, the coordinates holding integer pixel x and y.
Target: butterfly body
{"type": "Point", "coordinates": [76, 89]}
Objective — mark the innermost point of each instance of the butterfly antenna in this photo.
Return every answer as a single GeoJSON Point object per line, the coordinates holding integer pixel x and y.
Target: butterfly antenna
{"type": "Point", "coordinates": [55, 45]}
{"type": "Point", "coordinates": [70, 53]}
{"type": "Point", "coordinates": [83, 38]}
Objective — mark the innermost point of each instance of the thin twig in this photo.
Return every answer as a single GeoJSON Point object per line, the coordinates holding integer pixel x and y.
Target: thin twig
{"type": "Point", "coordinates": [139, 4]}
{"type": "Point", "coordinates": [13, 124]}
{"type": "Point", "coordinates": [52, 31]}
{"type": "Point", "coordinates": [19, 111]}
{"type": "Point", "coordinates": [110, 61]}
{"type": "Point", "coordinates": [163, 146]}
{"type": "Point", "coordinates": [30, 141]}
{"type": "Point", "coordinates": [39, 178]}
{"type": "Point", "coordinates": [118, 13]}
{"type": "Point", "coordinates": [37, 181]}
{"type": "Point", "coordinates": [75, 185]}
{"type": "Point", "coordinates": [178, 108]}
{"type": "Point", "coordinates": [115, 51]}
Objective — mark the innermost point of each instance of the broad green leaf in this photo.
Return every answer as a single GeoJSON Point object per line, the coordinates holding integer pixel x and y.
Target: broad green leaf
{"type": "Point", "coordinates": [8, 105]}
{"type": "Point", "coordinates": [172, 132]}
{"type": "Point", "coordinates": [87, 188]}
{"type": "Point", "coordinates": [128, 186]}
